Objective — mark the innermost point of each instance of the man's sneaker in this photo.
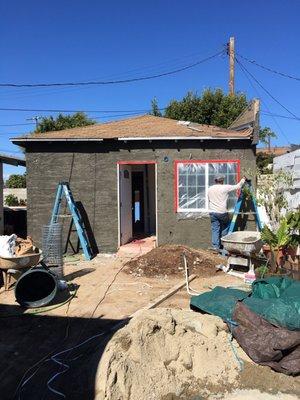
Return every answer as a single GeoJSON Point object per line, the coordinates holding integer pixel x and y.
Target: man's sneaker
{"type": "Point", "coordinates": [214, 249]}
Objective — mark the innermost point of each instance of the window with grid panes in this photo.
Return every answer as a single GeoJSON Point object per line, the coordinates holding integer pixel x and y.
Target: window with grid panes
{"type": "Point", "coordinates": [194, 179]}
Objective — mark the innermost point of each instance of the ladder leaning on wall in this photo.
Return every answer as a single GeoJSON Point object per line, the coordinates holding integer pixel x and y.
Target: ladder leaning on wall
{"type": "Point", "coordinates": [63, 189]}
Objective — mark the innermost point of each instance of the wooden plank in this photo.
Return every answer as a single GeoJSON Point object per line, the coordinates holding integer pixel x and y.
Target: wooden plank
{"type": "Point", "coordinates": [160, 299]}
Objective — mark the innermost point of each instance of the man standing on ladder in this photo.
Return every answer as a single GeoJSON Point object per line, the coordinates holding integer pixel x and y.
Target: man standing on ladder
{"type": "Point", "coordinates": [217, 200]}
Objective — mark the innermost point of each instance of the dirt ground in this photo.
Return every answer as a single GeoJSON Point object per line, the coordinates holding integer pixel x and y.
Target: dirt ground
{"type": "Point", "coordinates": [168, 261]}
{"type": "Point", "coordinates": [105, 298]}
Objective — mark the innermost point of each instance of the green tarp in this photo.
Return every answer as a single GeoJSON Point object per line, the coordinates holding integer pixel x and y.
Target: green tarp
{"type": "Point", "coordinates": [220, 301]}
{"type": "Point", "coordinates": [275, 299]}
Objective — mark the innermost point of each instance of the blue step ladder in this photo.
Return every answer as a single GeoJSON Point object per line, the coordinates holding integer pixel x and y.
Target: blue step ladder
{"type": "Point", "coordinates": [63, 189]}
{"type": "Point", "coordinates": [238, 206]}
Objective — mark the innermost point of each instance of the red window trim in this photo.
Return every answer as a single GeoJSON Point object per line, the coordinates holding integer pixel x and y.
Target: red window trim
{"type": "Point", "coordinates": [135, 162]}
{"type": "Point", "coordinates": [176, 162]}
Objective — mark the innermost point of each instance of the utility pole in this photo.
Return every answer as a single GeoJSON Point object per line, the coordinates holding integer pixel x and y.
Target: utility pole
{"type": "Point", "coordinates": [231, 54]}
{"type": "Point", "coordinates": [36, 119]}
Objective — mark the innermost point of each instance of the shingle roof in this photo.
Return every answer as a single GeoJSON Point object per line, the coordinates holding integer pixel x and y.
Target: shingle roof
{"type": "Point", "coordinates": [144, 126]}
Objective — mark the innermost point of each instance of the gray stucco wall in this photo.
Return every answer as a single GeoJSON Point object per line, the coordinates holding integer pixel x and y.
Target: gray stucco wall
{"type": "Point", "coordinates": [91, 169]}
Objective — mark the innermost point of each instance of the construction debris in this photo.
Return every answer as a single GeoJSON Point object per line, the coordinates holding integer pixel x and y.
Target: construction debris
{"type": "Point", "coordinates": [168, 260]}
{"type": "Point", "coordinates": [13, 246]}
{"type": "Point", "coordinates": [167, 352]}
{"type": "Point", "coordinates": [24, 246]}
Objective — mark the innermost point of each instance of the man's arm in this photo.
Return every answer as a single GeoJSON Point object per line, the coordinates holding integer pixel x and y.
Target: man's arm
{"type": "Point", "coordinates": [231, 188]}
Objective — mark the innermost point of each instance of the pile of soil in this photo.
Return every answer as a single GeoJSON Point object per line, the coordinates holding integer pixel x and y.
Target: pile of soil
{"type": "Point", "coordinates": [168, 260]}
{"type": "Point", "coordinates": [167, 354]}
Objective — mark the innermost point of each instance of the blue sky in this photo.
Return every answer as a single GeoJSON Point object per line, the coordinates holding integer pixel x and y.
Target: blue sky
{"type": "Point", "coordinates": [48, 41]}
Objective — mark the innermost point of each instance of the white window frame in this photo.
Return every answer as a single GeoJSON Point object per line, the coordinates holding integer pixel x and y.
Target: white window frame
{"type": "Point", "coordinates": [178, 163]}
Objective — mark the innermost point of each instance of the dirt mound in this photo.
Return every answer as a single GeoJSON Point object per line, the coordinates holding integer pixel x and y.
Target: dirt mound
{"type": "Point", "coordinates": [168, 260]}
{"type": "Point", "coordinates": [166, 354]}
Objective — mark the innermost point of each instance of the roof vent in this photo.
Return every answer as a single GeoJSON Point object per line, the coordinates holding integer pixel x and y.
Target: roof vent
{"type": "Point", "coordinates": [183, 123]}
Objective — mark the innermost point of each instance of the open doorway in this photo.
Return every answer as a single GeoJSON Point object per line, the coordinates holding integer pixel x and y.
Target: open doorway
{"type": "Point", "coordinates": [137, 200]}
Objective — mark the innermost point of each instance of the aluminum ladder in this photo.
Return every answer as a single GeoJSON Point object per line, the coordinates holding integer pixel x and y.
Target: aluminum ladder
{"type": "Point", "coordinates": [63, 189]}
{"type": "Point", "coordinates": [238, 205]}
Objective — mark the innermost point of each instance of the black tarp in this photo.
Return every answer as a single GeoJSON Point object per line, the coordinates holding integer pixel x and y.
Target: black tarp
{"type": "Point", "coordinates": [267, 344]}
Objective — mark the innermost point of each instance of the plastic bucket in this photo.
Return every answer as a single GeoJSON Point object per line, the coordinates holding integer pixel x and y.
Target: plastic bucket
{"type": "Point", "coordinates": [36, 288]}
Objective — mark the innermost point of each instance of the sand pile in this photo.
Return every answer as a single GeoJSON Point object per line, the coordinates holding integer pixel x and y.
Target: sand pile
{"type": "Point", "coordinates": [256, 395]}
{"type": "Point", "coordinates": [167, 260]}
{"type": "Point", "coordinates": [166, 354]}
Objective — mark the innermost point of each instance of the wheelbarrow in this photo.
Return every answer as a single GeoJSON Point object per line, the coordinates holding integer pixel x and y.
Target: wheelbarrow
{"type": "Point", "coordinates": [13, 265]}
{"type": "Point", "coordinates": [241, 247]}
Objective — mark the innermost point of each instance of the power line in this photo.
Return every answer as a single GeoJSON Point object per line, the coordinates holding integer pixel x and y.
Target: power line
{"type": "Point", "coordinates": [279, 115]}
{"type": "Point", "coordinates": [268, 69]}
{"type": "Point", "coordinates": [129, 80]}
{"type": "Point", "coordinates": [27, 123]}
{"type": "Point", "coordinates": [249, 80]}
{"type": "Point", "coordinates": [74, 111]}
{"type": "Point", "coordinates": [265, 90]}
{"type": "Point", "coordinates": [92, 117]}
{"type": "Point", "coordinates": [152, 68]}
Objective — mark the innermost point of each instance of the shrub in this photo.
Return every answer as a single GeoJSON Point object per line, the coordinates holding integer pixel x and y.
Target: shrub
{"type": "Point", "coordinates": [11, 200]}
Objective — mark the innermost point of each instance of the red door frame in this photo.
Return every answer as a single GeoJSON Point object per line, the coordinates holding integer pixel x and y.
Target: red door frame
{"type": "Point", "coordinates": [149, 162]}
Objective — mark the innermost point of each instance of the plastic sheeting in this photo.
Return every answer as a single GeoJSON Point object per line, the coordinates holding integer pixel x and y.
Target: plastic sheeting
{"type": "Point", "coordinates": [277, 300]}
{"type": "Point", "coordinates": [194, 179]}
{"type": "Point", "coordinates": [7, 245]}
{"type": "Point", "coordinates": [265, 343]}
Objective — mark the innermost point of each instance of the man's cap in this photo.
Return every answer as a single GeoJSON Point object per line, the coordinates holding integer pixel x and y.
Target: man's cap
{"type": "Point", "coordinates": [220, 178]}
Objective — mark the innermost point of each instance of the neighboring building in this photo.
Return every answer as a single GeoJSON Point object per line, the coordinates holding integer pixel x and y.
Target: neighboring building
{"type": "Point", "coordinates": [290, 163]}
{"type": "Point", "coordinates": [276, 151]}
{"type": "Point", "coordinates": [140, 176]}
{"type": "Point", "coordinates": [6, 159]}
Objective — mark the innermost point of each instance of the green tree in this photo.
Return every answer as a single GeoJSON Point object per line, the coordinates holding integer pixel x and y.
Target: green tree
{"type": "Point", "coordinates": [154, 108]}
{"type": "Point", "coordinates": [213, 107]}
{"type": "Point", "coordinates": [265, 135]}
{"type": "Point", "coordinates": [16, 181]}
{"type": "Point", "coordinates": [262, 162]}
{"type": "Point", "coordinates": [63, 122]}
{"type": "Point", "coordinates": [11, 200]}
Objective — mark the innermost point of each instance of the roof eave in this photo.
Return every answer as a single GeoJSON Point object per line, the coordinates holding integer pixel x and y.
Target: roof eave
{"type": "Point", "coordinates": [133, 138]}
{"type": "Point", "coordinates": [201, 138]}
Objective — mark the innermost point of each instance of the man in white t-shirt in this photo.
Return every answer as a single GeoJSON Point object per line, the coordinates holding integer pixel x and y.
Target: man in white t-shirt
{"type": "Point", "coordinates": [217, 202]}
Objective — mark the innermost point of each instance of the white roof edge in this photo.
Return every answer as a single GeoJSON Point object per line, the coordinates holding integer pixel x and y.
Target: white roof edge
{"type": "Point", "coordinates": [183, 138]}
{"type": "Point", "coordinates": [145, 138]}
{"type": "Point", "coordinates": [54, 140]}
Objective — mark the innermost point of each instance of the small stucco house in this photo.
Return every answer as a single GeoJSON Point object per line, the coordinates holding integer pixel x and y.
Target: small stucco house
{"type": "Point", "coordinates": [141, 176]}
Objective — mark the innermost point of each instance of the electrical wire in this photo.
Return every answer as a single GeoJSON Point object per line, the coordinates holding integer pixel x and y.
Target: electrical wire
{"type": "Point", "coordinates": [265, 90]}
{"type": "Point", "coordinates": [112, 82]}
{"type": "Point", "coordinates": [279, 115]}
{"type": "Point", "coordinates": [254, 87]}
{"type": "Point", "coordinates": [64, 367]}
{"type": "Point", "coordinates": [92, 117]}
{"type": "Point", "coordinates": [73, 110]}
{"type": "Point", "coordinates": [173, 63]}
{"type": "Point", "coordinates": [46, 358]}
{"type": "Point", "coordinates": [62, 363]}
{"type": "Point", "coordinates": [17, 124]}
{"type": "Point", "coordinates": [189, 290]}
{"type": "Point", "coordinates": [268, 69]}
